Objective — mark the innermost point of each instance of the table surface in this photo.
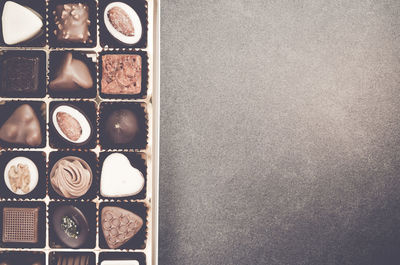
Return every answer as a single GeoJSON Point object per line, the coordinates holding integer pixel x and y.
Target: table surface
{"type": "Point", "coordinates": [280, 129]}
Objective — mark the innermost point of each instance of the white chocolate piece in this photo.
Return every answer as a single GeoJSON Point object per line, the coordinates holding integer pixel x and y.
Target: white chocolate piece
{"type": "Point", "coordinates": [19, 23]}
{"type": "Point", "coordinates": [120, 262]}
{"type": "Point", "coordinates": [137, 25]}
{"type": "Point", "coordinates": [119, 178]}
{"type": "Point", "coordinates": [33, 171]}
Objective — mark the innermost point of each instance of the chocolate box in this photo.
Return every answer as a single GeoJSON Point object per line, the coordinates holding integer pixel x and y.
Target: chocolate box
{"type": "Point", "coordinates": [79, 131]}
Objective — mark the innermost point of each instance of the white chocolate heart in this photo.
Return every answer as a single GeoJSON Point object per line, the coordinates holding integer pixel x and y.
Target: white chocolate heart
{"type": "Point", "coordinates": [19, 23]}
{"type": "Point", "coordinates": [119, 178]}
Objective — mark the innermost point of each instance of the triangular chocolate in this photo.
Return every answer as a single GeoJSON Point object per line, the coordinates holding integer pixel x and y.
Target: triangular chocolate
{"type": "Point", "coordinates": [22, 127]}
{"type": "Point", "coordinates": [72, 75]}
{"type": "Point", "coordinates": [119, 225]}
{"type": "Point", "coordinates": [19, 23]}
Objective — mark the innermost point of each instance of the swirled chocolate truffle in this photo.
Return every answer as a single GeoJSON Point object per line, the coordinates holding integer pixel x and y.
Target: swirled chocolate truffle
{"type": "Point", "coordinates": [71, 177]}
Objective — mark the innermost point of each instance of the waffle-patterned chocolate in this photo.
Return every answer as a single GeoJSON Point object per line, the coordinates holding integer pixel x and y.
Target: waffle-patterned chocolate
{"type": "Point", "coordinates": [20, 225]}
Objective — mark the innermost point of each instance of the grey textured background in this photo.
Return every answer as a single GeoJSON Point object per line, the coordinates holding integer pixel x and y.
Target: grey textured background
{"type": "Point", "coordinates": [280, 132]}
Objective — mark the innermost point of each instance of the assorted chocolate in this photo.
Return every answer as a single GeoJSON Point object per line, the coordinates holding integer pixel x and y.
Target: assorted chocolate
{"type": "Point", "coordinates": [22, 74]}
{"type": "Point", "coordinates": [72, 258]}
{"type": "Point", "coordinates": [123, 23]}
{"type": "Point", "coordinates": [119, 178]}
{"type": "Point", "coordinates": [71, 177]}
{"type": "Point", "coordinates": [88, 185]}
{"type": "Point", "coordinates": [121, 74]}
{"type": "Point", "coordinates": [119, 225]}
{"type": "Point", "coordinates": [71, 75]}
{"type": "Point", "coordinates": [72, 21]}
{"type": "Point", "coordinates": [20, 23]}
{"type": "Point", "coordinates": [21, 175]}
{"type": "Point", "coordinates": [22, 258]}
{"type": "Point", "coordinates": [70, 226]}
{"type": "Point", "coordinates": [71, 124]}
{"type": "Point", "coordinates": [22, 224]}
{"type": "Point", "coordinates": [123, 126]}
{"type": "Point", "coordinates": [22, 127]}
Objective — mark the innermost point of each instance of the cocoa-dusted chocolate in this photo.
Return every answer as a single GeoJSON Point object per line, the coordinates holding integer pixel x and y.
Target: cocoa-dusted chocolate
{"type": "Point", "coordinates": [121, 74]}
{"type": "Point", "coordinates": [72, 23]}
{"type": "Point", "coordinates": [119, 225]}
{"type": "Point", "coordinates": [20, 74]}
{"type": "Point", "coordinates": [70, 225]}
{"type": "Point", "coordinates": [71, 75]}
{"type": "Point", "coordinates": [22, 127]}
{"type": "Point", "coordinates": [20, 225]}
{"type": "Point", "coordinates": [121, 126]}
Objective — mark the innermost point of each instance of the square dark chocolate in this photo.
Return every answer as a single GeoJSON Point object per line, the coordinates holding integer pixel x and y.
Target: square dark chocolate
{"type": "Point", "coordinates": [20, 74]}
{"type": "Point", "coordinates": [23, 74]}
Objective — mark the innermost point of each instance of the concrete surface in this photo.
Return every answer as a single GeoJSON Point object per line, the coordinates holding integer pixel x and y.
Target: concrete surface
{"type": "Point", "coordinates": [280, 132]}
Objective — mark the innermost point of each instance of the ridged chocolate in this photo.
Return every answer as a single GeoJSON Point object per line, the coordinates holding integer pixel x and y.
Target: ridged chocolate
{"type": "Point", "coordinates": [72, 259]}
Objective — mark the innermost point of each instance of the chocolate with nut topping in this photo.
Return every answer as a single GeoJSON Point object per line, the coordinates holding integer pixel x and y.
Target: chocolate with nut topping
{"type": "Point", "coordinates": [72, 23]}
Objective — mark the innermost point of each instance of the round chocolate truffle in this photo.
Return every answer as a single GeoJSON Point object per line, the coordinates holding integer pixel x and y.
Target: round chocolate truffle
{"type": "Point", "coordinates": [70, 226]}
{"type": "Point", "coordinates": [121, 126]}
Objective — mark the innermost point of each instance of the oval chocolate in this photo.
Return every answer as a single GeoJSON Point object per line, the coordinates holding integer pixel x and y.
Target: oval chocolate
{"type": "Point", "coordinates": [70, 226]}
